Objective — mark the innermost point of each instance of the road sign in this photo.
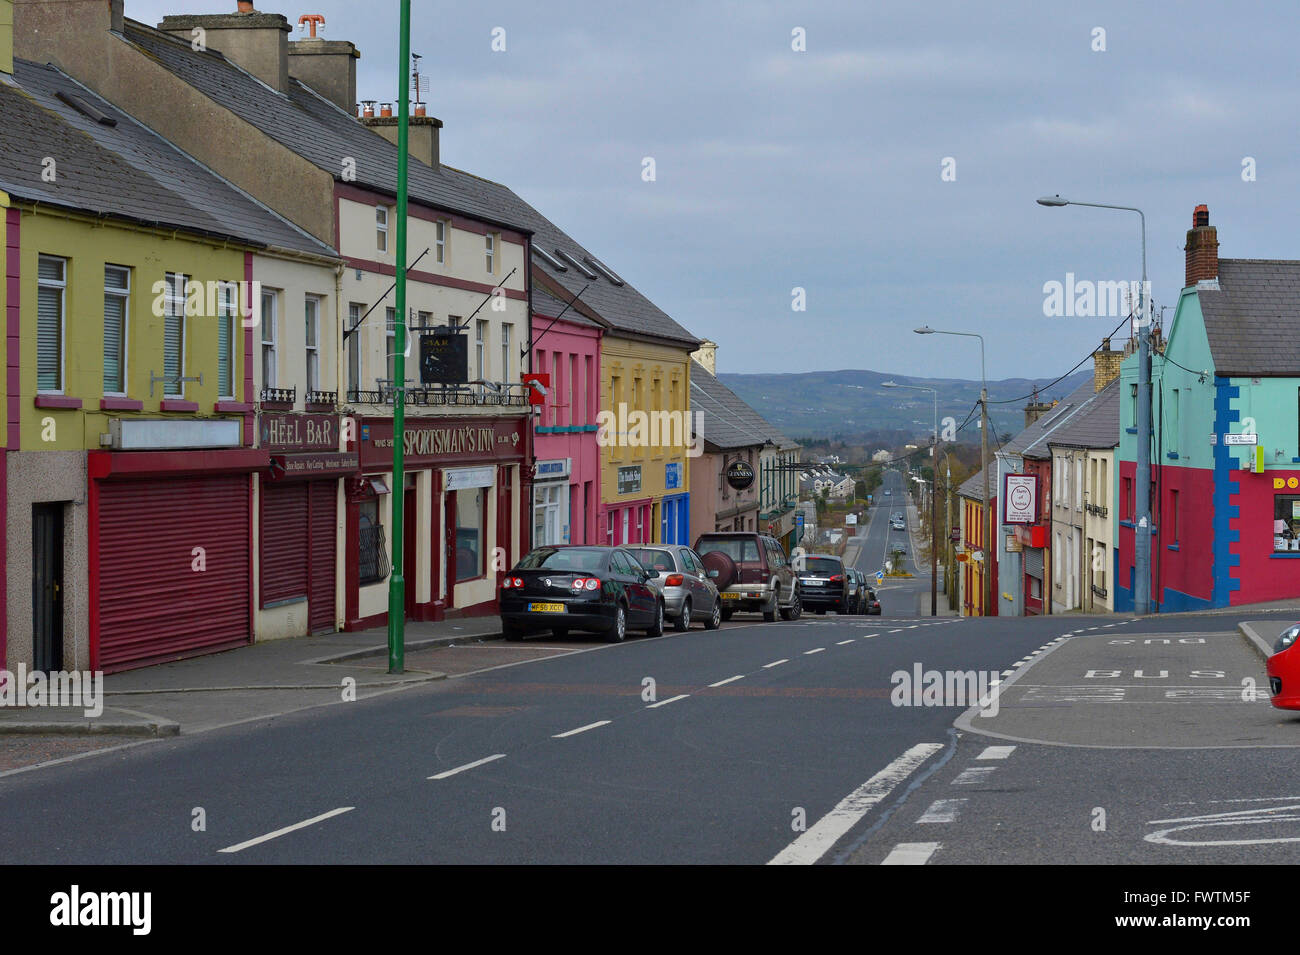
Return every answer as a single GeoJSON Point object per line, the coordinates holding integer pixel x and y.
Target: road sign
{"type": "Point", "coordinates": [880, 577]}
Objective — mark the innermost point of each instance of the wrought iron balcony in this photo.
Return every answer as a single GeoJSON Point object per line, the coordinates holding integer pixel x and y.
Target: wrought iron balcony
{"type": "Point", "coordinates": [509, 394]}
{"type": "Point", "coordinates": [322, 398]}
{"type": "Point", "coordinates": [280, 396]}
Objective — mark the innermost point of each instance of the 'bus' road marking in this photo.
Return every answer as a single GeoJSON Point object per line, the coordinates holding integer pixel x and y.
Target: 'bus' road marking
{"type": "Point", "coordinates": [671, 699]}
{"type": "Point", "coordinates": [911, 853]}
{"type": "Point", "coordinates": [580, 729]}
{"type": "Point", "coordinates": [775, 663]}
{"type": "Point", "coordinates": [287, 829]}
{"type": "Point", "coordinates": [810, 652]}
{"type": "Point", "coordinates": [996, 752]}
{"type": "Point", "coordinates": [461, 769]}
{"type": "Point", "coordinates": [730, 679]}
{"type": "Point", "coordinates": [823, 834]}
{"type": "Point", "coordinates": [942, 810]}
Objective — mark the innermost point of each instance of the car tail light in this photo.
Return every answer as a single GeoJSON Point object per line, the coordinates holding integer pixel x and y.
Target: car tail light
{"type": "Point", "coordinates": [586, 583]}
{"type": "Point", "coordinates": [837, 578]}
{"type": "Point", "coordinates": [510, 582]}
{"type": "Point", "coordinates": [674, 580]}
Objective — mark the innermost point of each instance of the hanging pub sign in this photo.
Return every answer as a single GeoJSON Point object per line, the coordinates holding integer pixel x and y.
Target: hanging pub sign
{"type": "Point", "coordinates": [740, 475]}
{"type": "Point", "coordinates": [444, 357]}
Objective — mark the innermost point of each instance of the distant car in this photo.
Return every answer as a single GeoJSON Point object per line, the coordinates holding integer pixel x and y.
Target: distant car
{"type": "Point", "coordinates": [825, 584]}
{"type": "Point", "coordinates": [857, 585]}
{"type": "Point", "coordinates": [683, 581]}
{"type": "Point", "coordinates": [751, 572]}
{"type": "Point", "coordinates": [886, 494]}
{"type": "Point", "coordinates": [563, 588]}
{"type": "Point", "coordinates": [871, 603]}
{"type": "Point", "coordinates": [1284, 670]}
{"type": "Point", "coordinates": [898, 525]}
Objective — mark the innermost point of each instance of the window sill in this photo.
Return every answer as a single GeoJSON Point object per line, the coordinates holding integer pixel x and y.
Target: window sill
{"type": "Point", "coordinates": [229, 407]}
{"type": "Point", "coordinates": [120, 404]}
{"type": "Point", "coordinates": [57, 401]}
{"type": "Point", "coordinates": [1172, 455]}
{"type": "Point", "coordinates": [178, 404]}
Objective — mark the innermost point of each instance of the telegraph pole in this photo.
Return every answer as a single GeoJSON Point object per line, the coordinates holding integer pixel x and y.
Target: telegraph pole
{"type": "Point", "coordinates": [986, 577]}
{"type": "Point", "coordinates": [396, 583]}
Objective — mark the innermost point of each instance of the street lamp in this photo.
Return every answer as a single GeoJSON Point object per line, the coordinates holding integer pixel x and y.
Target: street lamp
{"type": "Point", "coordinates": [1142, 555]}
{"type": "Point", "coordinates": [986, 575]}
{"type": "Point", "coordinates": [934, 518]}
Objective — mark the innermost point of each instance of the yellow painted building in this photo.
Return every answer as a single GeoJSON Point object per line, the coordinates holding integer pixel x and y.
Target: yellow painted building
{"type": "Point", "coordinates": [646, 440]}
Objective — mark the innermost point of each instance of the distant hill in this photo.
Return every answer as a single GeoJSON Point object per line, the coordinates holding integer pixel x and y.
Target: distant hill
{"type": "Point", "coordinates": [846, 403]}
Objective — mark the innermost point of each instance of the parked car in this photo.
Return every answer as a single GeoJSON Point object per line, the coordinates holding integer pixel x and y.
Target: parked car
{"type": "Point", "coordinates": [562, 588]}
{"type": "Point", "coordinates": [871, 603]}
{"type": "Point", "coordinates": [751, 572]}
{"type": "Point", "coordinates": [825, 584]}
{"type": "Point", "coordinates": [857, 587]}
{"type": "Point", "coordinates": [1284, 670]}
{"type": "Point", "coordinates": [897, 524]}
{"type": "Point", "coordinates": [683, 582]}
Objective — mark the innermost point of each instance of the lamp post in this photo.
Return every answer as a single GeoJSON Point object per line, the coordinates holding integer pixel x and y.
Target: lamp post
{"type": "Point", "coordinates": [934, 513]}
{"type": "Point", "coordinates": [1142, 520]}
{"type": "Point", "coordinates": [985, 575]}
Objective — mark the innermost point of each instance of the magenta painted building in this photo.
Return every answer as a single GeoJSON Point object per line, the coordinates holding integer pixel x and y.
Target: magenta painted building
{"type": "Point", "coordinates": [566, 482]}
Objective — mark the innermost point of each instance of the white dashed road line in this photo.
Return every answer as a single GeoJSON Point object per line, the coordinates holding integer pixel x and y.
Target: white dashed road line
{"type": "Point", "coordinates": [842, 642]}
{"type": "Point", "coordinates": [911, 853]}
{"type": "Point", "coordinates": [671, 699]}
{"type": "Point", "coordinates": [775, 663]}
{"type": "Point", "coordinates": [580, 729]}
{"type": "Point", "coordinates": [287, 829]}
{"type": "Point", "coordinates": [461, 769]}
{"type": "Point", "coordinates": [942, 810]}
{"type": "Point", "coordinates": [730, 679]}
{"type": "Point", "coordinates": [818, 840]}
{"type": "Point", "coordinates": [814, 650]}
{"type": "Point", "coordinates": [996, 752]}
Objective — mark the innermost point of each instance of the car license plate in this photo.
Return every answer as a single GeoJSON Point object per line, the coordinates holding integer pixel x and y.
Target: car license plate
{"type": "Point", "coordinates": [731, 596]}
{"type": "Point", "coordinates": [813, 582]}
{"type": "Point", "coordinates": [547, 608]}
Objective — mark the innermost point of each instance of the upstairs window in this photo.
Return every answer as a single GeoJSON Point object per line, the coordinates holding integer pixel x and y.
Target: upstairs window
{"type": "Point", "coordinates": [174, 335]}
{"type": "Point", "coordinates": [312, 339]}
{"type": "Point", "coordinates": [381, 228]}
{"type": "Point", "coordinates": [226, 336]}
{"type": "Point", "coordinates": [269, 377]}
{"type": "Point", "coordinates": [51, 289]}
{"type": "Point", "coordinates": [490, 246]}
{"type": "Point", "coordinates": [440, 240]}
{"type": "Point", "coordinates": [117, 291]}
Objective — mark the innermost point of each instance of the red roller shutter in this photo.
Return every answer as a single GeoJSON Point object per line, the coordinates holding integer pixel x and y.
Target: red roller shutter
{"type": "Point", "coordinates": [156, 602]}
{"type": "Point", "coordinates": [284, 529]}
{"type": "Point", "coordinates": [324, 508]}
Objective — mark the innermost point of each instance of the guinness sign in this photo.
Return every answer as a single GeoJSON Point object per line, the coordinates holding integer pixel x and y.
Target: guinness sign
{"type": "Point", "coordinates": [740, 475]}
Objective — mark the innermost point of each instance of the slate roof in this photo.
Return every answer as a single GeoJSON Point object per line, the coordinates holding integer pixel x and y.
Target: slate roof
{"type": "Point", "coordinates": [1095, 426]}
{"type": "Point", "coordinates": [728, 422]}
{"type": "Point", "coordinates": [124, 170]}
{"type": "Point", "coordinates": [1253, 320]}
{"type": "Point", "coordinates": [320, 132]}
{"type": "Point", "coordinates": [973, 487]}
{"type": "Point", "coordinates": [547, 305]}
{"type": "Point", "coordinates": [1032, 441]}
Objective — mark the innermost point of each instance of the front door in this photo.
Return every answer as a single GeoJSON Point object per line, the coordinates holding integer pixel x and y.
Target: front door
{"type": "Point", "coordinates": [47, 587]}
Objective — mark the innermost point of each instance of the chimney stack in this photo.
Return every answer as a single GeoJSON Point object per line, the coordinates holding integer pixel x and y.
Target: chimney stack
{"type": "Point", "coordinates": [327, 66]}
{"type": "Point", "coordinates": [706, 356]}
{"type": "Point", "coordinates": [1202, 249]}
{"type": "Point", "coordinates": [421, 133]}
{"type": "Point", "coordinates": [256, 42]}
{"type": "Point", "coordinates": [1036, 409]}
{"type": "Point", "coordinates": [1105, 365]}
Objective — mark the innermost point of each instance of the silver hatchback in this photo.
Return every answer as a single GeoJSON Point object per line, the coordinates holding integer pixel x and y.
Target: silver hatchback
{"type": "Point", "coordinates": [680, 577]}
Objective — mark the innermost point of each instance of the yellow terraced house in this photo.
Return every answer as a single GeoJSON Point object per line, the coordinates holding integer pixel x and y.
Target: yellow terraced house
{"type": "Point", "coordinates": [129, 306]}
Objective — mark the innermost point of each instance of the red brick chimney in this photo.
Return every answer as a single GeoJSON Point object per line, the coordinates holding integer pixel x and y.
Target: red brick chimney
{"type": "Point", "coordinates": [1202, 248]}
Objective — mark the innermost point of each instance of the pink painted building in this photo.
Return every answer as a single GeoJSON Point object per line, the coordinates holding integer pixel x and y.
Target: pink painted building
{"type": "Point", "coordinates": [566, 483]}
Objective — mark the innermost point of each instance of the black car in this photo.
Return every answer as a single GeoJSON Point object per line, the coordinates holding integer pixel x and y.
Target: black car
{"type": "Point", "coordinates": [824, 584]}
{"type": "Point", "coordinates": [598, 589]}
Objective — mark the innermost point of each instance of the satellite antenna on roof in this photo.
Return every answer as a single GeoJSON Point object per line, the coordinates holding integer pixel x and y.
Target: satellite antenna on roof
{"type": "Point", "coordinates": [419, 84]}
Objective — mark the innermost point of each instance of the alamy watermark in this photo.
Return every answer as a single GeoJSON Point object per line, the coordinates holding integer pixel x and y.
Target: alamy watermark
{"type": "Point", "coordinates": [1084, 298]}
{"type": "Point", "coordinates": [961, 688]}
{"type": "Point", "coordinates": [57, 688]}
{"type": "Point", "coordinates": [651, 429]}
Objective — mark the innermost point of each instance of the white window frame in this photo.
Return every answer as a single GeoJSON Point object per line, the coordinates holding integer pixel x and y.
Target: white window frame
{"type": "Point", "coordinates": [125, 295]}
{"type": "Point", "coordinates": [490, 247]}
{"type": "Point", "coordinates": [505, 351]}
{"type": "Point", "coordinates": [440, 240]}
{"type": "Point", "coordinates": [354, 347]}
{"type": "Point", "coordinates": [381, 228]}
{"type": "Point", "coordinates": [227, 307]}
{"type": "Point", "coordinates": [390, 345]}
{"type": "Point", "coordinates": [311, 316]}
{"type": "Point", "coordinates": [62, 286]}
{"type": "Point", "coordinates": [269, 343]}
{"type": "Point", "coordinates": [172, 300]}
{"type": "Point", "coordinates": [480, 348]}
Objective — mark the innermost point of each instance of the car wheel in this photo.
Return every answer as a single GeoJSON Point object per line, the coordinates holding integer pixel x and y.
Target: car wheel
{"type": "Point", "coordinates": [657, 628]}
{"type": "Point", "coordinates": [684, 621]}
{"type": "Point", "coordinates": [716, 618]}
{"type": "Point", "coordinates": [795, 610]}
{"type": "Point", "coordinates": [769, 616]}
{"type": "Point", "coordinates": [618, 631]}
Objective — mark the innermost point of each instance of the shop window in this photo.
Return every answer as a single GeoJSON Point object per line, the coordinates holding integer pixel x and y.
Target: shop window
{"type": "Point", "coordinates": [470, 521]}
{"type": "Point", "coordinates": [372, 554]}
{"type": "Point", "coordinates": [1286, 523]}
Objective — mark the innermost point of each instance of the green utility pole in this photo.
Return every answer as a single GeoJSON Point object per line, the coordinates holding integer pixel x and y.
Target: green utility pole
{"type": "Point", "coordinates": [396, 583]}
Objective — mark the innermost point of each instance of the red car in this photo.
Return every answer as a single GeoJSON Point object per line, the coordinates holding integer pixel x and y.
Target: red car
{"type": "Point", "coordinates": [1284, 670]}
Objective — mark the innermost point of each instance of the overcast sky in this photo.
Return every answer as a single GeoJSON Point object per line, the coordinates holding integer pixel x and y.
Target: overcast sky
{"type": "Point", "coordinates": [821, 169]}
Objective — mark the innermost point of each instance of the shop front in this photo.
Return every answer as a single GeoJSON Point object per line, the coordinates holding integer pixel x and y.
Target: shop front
{"type": "Point", "coordinates": [552, 503]}
{"type": "Point", "coordinates": [299, 534]}
{"type": "Point", "coordinates": [466, 518]}
{"type": "Point", "coordinates": [170, 543]}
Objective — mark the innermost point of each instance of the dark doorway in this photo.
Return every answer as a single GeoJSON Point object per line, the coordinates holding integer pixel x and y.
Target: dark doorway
{"type": "Point", "coordinates": [47, 587]}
